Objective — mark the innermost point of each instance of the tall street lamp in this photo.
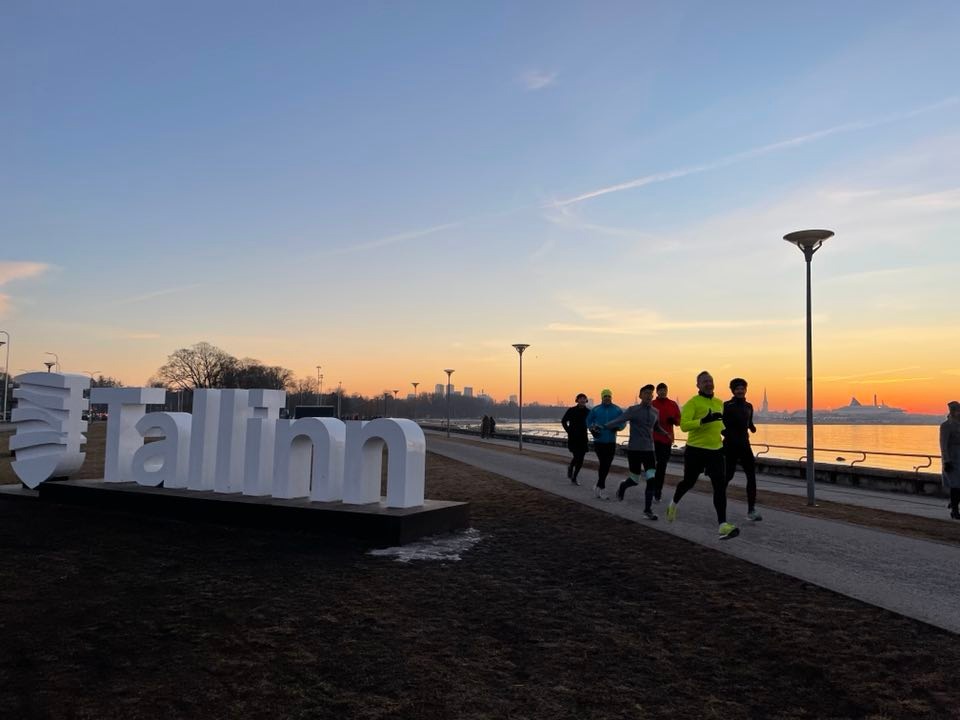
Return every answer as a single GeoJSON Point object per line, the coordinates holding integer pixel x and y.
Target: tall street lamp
{"type": "Point", "coordinates": [56, 358]}
{"type": "Point", "coordinates": [809, 241]}
{"type": "Point", "coordinates": [414, 399]}
{"type": "Point", "coordinates": [6, 374]}
{"type": "Point", "coordinates": [318, 385]}
{"type": "Point", "coordinates": [449, 374]}
{"type": "Point", "coordinates": [520, 347]}
{"type": "Point", "coordinates": [339, 395]}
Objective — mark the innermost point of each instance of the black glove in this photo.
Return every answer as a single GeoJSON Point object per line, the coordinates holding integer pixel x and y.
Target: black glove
{"type": "Point", "coordinates": [596, 430]}
{"type": "Point", "coordinates": [711, 417]}
{"type": "Point", "coordinates": [948, 467]}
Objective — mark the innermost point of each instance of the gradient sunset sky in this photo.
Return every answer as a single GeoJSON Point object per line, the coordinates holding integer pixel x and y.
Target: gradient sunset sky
{"type": "Point", "coordinates": [388, 189]}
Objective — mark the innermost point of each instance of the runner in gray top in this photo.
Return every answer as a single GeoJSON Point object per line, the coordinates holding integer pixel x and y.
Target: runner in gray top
{"type": "Point", "coordinates": [643, 419]}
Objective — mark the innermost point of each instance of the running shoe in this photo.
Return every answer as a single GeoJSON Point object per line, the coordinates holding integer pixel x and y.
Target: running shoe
{"type": "Point", "coordinates": [600, 493]}
{"type": "Point", "coordinates": [620, 490]}
{"type": "Point", "coordinates": [671, 512]}
{"type": "Point", "coordinates": [728, 530]}
{"type": "Point", "coordinates": [650, 515]}
{"type": "Point", "coordinates": [754, 515]}
{"type": "Point", "coordinates": [574, 481]}
{"type": "Point", "coordinates": [955, 514]}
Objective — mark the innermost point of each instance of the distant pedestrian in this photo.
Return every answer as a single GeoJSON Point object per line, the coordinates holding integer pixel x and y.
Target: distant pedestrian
{"type": "Point", "coordinates": [640, 454]}
{"type": "Point", "coordinates": [737, 426]}
{"type": "Point", "coordinates": [669, 417]}
{"type": "Point", "coordinates": [574, 422]}
{"type": "Point", "coordinates": [492, 432]}
{"type": "Point", "coordinates": [484, 427]}
{"type": "Point", "coordinates": [702, 419]}
{"type": "Point", "coordinates": [604, 439]}
{"type": "Point", "coordinates": [950, 455]}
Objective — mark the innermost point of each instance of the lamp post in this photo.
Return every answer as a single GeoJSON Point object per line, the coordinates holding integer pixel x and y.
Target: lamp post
{"type": "Point", "coordinates": [395, 402]}
{"type": "Point", "coordinates": [55, 357]}
{"type": "Point", "coordinates": [520, 347]}
{"type": "Point", "coordinates": [318, 384]}
{"type": "Point", "coordinates": [414, 399]}
{"type": "Point", "coordinates": [6, 374]}
{"type": "Point", "coordinates": [809, 241]}
{"type": "Point", "coordinates": [49, 364]}
{"type": "Point", "coordinates": [339, 395]}
{"type": "Point", "coordinates": [449, 374]}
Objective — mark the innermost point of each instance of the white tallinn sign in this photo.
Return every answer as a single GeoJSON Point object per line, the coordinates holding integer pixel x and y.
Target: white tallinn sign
{"type": "Point", "coordinates": [233, 442]}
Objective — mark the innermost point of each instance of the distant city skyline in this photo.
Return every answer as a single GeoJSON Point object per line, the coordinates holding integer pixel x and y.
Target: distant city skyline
{"type": "Point", "coordinates": [388, 190]}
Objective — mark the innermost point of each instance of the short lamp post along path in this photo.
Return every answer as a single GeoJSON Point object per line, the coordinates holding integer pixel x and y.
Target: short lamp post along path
{"type": "Point", "coordinates": [56, 362]}
{"type": "Point", "coordinates": [414, 412]}
{"type": "Point", "coordinates": [318, 385]}
{"type": "Point", "coordinates": [520, 347]}
{"type": "Point", "coordinates": [809, 241]}
{"type": "Point", "coordinates": [449, 373]}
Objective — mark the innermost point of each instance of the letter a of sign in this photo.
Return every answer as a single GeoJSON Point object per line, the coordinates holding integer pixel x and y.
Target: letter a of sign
{"type": "Point", "coordinates": [50, 426]}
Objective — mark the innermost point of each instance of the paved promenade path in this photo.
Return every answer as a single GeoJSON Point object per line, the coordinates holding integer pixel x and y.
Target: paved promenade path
{"type": "Point", "coordinates": [916, 578]}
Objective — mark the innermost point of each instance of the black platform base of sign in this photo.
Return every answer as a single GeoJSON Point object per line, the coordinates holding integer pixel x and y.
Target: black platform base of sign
{"type": "Point", "coordinates": [373, 524]}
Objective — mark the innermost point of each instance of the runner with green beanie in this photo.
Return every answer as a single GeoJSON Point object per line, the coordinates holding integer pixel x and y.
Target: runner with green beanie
{"type": "Point", "coordinates": [604, 439]}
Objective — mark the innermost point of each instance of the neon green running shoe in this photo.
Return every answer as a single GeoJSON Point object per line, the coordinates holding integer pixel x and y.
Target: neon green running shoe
{"type": "Point", "coordinates": [671, 512]}
{"type": "Point", "coordinates": [728, 530]}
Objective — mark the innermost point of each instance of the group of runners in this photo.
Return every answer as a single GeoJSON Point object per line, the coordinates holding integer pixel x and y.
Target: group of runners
{"type": "Point", "coordinates": [718, 439]}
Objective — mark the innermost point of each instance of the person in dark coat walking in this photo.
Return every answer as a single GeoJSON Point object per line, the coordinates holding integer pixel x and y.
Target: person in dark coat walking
{"type": "Point", "coordinates": [950, 456]}
{"type": "Point", "coordinates": [574, 422]}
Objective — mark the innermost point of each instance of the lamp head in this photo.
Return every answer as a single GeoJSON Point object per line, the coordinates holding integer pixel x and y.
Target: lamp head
{"type": "Point", "coordinates": [520, 347]}
{"type": "Point", "coordinates": [809, 241]}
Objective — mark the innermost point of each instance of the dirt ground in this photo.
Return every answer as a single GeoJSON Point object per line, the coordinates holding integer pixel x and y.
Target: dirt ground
{"type": "Point", "coordinates": [560, 611]}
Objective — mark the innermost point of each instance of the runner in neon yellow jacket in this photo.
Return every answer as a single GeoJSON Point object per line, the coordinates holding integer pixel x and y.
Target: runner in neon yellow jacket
{"type": "Point", "coordinates": [699, 434]}
{"type": "Point", "coordinates": [702, 419]}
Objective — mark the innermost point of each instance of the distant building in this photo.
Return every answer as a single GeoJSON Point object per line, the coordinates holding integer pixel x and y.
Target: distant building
{"type": "Point", "coordinates": [467, 391]}
{"type": "Point", "coordinates": [439, 389]}
{"type": "Point", "coordinates": [513, 398]}
{"type": "Point", "coordinates": [859, 411]}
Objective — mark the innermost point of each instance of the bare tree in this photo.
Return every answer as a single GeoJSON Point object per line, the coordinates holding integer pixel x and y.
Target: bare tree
{"type": "Point", "coordinates": [199, 366]}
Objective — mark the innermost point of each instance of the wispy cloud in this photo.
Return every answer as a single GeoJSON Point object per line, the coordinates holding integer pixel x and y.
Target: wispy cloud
{"type": "Point", "coordinates": [534, 80]}
{"type": "Point", "coordinates": [11, 270]}
{"type": "Point", "coordinates": [867, 377]}
{"type": "Point", "coordinates": [156, 294]}
{"type": "Point", "coordinates": [755, 152]}
{"type": "Point", "coordinates": [394, 239]}
{"type": "Point", "coordinates": [142, 336]}
{"type": "Point", "coordinates": [610, 321]}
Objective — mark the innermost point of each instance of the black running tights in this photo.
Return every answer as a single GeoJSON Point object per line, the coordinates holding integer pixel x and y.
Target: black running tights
{"type": "Point", "coordinates": [697, 461]}
{"type": "Point", "coordinates": [605, 453]}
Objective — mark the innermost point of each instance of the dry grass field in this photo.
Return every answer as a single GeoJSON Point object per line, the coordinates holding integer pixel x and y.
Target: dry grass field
{"type": "Point", "coordinates": [560, 611]}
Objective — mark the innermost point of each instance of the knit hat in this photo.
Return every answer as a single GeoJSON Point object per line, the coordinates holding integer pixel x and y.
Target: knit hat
{"type": "Point", "coordinates": [606, 392]}
{"type": "Point", "coordinates": [737, 382]}
{"type": "Point", "coordinates": [953, 405]}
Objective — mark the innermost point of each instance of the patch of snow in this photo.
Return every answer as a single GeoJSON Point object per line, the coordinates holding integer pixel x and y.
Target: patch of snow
{"type": "Point", "coordinates": [438, 547]}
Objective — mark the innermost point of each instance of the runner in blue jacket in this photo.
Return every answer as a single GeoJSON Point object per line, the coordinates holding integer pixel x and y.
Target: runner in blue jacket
{"type": "Point", "coordinates": [604, 439]}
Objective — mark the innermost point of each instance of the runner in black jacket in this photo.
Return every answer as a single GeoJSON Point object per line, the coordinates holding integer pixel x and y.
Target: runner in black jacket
{"type": "Point", "coordinates": [737, 426]}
